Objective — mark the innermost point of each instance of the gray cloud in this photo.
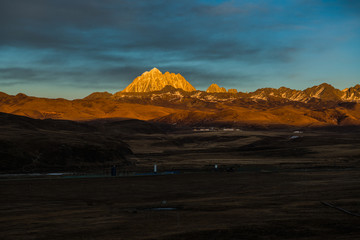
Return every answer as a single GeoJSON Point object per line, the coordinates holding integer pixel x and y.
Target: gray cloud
{"type": "Point", "coordinates": [110, 42]}
{"type": "Point", "coordinates": [77, 26]}
{"type": "Point", "coordinates": [18, 73]}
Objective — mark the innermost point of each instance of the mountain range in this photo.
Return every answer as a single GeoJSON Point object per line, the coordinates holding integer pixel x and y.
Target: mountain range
{"type": "Point", "coordinates": [169, 98]}
{"type": "Point", "coordinates": [154, 80]}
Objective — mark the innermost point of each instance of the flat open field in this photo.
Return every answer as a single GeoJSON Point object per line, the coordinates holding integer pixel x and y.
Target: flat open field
{"type": "Point", "coordinates": [218, 205]}
{"type": "Point", "coordinates": [269, 185]}
{"type": "Point", "coordinates": [269, 150]}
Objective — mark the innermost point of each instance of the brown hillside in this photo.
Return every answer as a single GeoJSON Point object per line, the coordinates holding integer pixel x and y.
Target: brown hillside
{"type": "Point", "coordinates": [43, 108]}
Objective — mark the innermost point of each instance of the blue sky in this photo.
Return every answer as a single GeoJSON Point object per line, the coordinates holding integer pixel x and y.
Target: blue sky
{"type": "Point", "coordinates": [69, 49]}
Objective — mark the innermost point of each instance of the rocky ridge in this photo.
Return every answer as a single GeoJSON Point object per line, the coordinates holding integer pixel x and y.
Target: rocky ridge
{"type": "Point", "coordinates": [214, 88]}
{"type": "Point", "coordinates": [324, 91]}
{"type": "Point", "coordinates": [232, 90]}
{"type": "Point", "coordinates": [154, 80]}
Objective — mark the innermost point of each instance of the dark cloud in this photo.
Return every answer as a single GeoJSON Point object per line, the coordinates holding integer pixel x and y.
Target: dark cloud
{"type": "Point", "coordinates": [116, 77]}
{"type": "Point", "coordinates": [110, 42]}
{"type": "Point", "coordinates": [231, 8]}
{"type": "Point", "coordinates": [116, 74]}
{"type": "Point", "coordinates": [352, 6]}
{"type": "Point", "coordinates": [77, 26]}
{"type": "Point", "coordinates": [88, 77]}
{"type": "Point", "coordinates": [18, 73]}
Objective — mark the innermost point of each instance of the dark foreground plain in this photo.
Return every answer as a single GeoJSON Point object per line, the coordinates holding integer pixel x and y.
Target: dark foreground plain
{"type": "Point", "coordinates": [206, 205]}
{"type": "Point", "coordinates": [270, 183]}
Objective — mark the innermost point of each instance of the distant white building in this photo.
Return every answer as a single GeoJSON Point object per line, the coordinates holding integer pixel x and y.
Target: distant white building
{"type": "Point", "coordinates": [205, 129]}
{"type": "Point", "coordinates": [201, 130]}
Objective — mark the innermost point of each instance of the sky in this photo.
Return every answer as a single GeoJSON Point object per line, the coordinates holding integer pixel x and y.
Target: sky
{"type": "Point", "coordinates": [71, 48]}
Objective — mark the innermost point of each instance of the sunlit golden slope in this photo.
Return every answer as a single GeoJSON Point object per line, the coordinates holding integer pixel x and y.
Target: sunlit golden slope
{"type": "Point", "coordinates": [154, 80]}
{"type": "Point", "coordinates": [42, 108]}
{"type": "Point", "coordinates": [286, 115]}
{"type": "Point", "coordinates": [174, 108]}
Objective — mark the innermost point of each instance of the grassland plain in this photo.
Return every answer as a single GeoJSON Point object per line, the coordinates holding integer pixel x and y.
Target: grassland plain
{"type": "Point", "coordinates": [211, 205]}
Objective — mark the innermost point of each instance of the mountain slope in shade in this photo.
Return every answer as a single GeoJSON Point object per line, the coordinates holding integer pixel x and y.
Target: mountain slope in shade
{"type": "Point", "coordinates": [214, 88]}
{"type": "Point", "coordinates": [55, 145]}
{"type": "Point", "coordinates": [154, 80]}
